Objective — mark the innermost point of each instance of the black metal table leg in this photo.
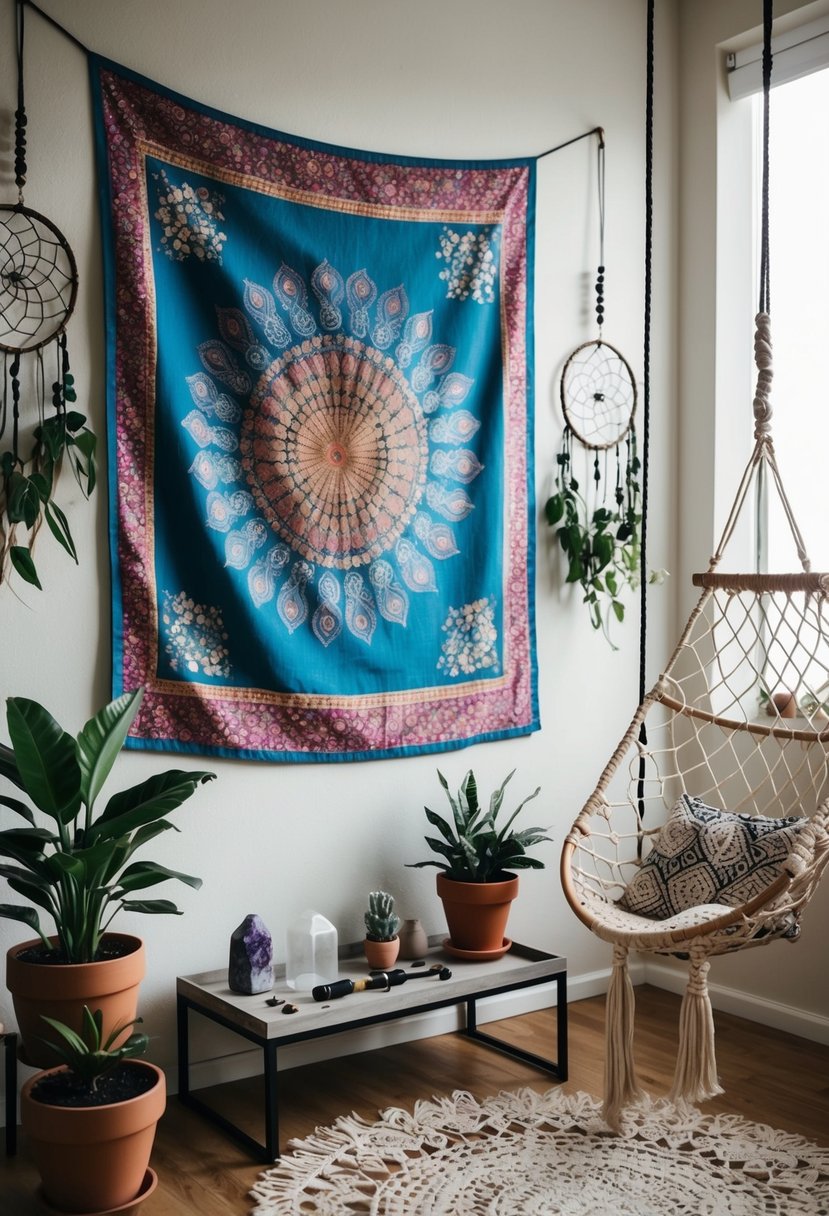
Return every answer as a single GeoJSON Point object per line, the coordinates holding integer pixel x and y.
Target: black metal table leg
{"type": "Point", "coordinates": [265, 1152]}
{"type": "Point", "coordinates": [558, 1067]}
{"type": "Point", "coordinates": [10, 1043]}
{"type": "Point", "coordinates": [561, 1024]}
{"type": "Point", "coordinates": [183, 1036]}
{"type": "Point", "coordinates": [271, 1103]}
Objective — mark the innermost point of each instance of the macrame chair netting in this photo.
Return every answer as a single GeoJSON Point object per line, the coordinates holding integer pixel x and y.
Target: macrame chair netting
{"type": "Point", "coordinates": [707, 733]}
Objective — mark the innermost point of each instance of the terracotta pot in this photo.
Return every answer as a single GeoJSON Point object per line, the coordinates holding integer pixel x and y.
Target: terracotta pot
{"type": "Point", "coordinates": [60, 990]}
{"type": "Point", "coordinates": [477, 912]}
{"type": "Point", "coordinates": [93, 1158]}
{"type": "Point", "coordinates": [130, 1208]}
{"type": "Point", "coordinates": [381, 955]}
{"type": "Point", "coordinates": [784, 703]}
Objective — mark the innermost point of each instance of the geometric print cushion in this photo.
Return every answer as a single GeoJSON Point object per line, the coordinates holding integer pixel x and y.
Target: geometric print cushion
{"type": "Point", "coordinates": [706, 856]}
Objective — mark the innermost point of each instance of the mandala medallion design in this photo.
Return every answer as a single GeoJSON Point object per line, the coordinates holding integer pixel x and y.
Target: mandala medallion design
{"type": "Point", "coordinates": [335, 451]}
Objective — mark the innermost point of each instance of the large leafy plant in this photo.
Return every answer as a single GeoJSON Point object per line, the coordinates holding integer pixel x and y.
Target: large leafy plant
{"type": "Point", "coordinates": [88, 1056]}
{"type": "Point", "coordinates": [472, 848]}
{"type": "Point", "coordinates": [79, 869]}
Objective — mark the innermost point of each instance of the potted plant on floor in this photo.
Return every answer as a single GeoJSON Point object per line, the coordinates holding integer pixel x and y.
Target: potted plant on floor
{"type": "Point", "coordinates": [90, 1123]}
{"type": "Point", "coordinates": [475, 860]}
{"type": "Point", "coordinates": [382, 922]}
{"type": "Point", "coordinates": [79, 868]}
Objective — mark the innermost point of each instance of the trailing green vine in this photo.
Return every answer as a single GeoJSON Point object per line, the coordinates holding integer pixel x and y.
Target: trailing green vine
{"type": "Point", "coordinates": [602, 546]}
{"type": "Point", "coordinates": [27, 483]}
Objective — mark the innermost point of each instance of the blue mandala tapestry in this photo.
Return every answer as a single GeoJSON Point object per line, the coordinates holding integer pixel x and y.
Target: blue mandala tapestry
{"type": "Point", "coordinates": [320, 437]}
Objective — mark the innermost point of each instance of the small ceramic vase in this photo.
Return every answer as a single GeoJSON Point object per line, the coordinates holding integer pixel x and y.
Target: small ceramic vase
{"type": "Point", "coordinates": [413, 940]}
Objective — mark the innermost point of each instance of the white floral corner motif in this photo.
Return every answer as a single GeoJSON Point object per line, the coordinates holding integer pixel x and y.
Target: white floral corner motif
{"type": "Point", "coordinates": [194, 636]}
{"type": "Point", "coordinates": [471, 639]}
{"type": "Point", "coordinates": [189, 219]}
{"type": "Point", "coordinates": [471, 264]}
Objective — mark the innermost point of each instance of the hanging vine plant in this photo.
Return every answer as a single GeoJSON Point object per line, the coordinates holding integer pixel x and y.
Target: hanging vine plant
{"type": "Point", "coordinates": [599, 529]}
{"type": "Point", "coordinates": [28, 481]}
{"type": "Point", "coordinates": [601, 545]}
{"type": "Point", "coordinates": [38, 288]}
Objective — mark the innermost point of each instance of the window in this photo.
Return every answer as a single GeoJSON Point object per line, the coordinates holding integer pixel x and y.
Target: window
{"type": "Point", "coordinates": [799, 262]}
{"type": "Point", "coordinates": [799, 259]}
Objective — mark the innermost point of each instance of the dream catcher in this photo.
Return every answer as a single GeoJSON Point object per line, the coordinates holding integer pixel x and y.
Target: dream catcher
{"type": "Point", "coordinates": [38, 288]}
{"type": "Point", "coordinates": [598, 526]}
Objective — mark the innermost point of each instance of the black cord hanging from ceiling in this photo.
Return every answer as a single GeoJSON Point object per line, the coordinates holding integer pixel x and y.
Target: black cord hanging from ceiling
{"type": "Point", "coordinates": [646, 385]}
{"type": "Point", "coordinates": [646, 407]}
{"type": "Point", "coordinates": [765, 269]}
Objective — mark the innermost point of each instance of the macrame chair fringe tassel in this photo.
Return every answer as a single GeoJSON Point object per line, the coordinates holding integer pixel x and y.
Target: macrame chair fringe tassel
{"type": "Point", "coordinates": [621, 1086]}
{"type": "Point", "coordinates": [695, 1078]}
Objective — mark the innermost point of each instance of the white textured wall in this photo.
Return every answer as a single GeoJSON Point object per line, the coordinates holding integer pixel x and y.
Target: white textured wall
{"type": "Point", "coordinates": [471, 78]}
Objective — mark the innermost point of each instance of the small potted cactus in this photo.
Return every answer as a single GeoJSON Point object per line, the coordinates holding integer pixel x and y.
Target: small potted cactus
{"type": "Point", "coordinates": [382, 922]}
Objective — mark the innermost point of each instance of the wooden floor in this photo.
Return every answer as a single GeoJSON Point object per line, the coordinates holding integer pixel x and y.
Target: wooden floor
{"type": "Point", "coordinates": [768, 1076]}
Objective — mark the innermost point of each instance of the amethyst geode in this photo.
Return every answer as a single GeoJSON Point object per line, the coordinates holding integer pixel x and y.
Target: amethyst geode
{"type": "Point", "coordinates": [251, 957]}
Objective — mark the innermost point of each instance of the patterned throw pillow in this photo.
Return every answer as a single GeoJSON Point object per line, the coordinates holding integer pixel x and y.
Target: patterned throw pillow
{"type": "Point", "coordinates": [706, 856]}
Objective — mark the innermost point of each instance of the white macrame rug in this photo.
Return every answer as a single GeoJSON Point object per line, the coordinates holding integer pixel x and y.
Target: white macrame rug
{"type": "Point", "coordinates": [525, 1153]}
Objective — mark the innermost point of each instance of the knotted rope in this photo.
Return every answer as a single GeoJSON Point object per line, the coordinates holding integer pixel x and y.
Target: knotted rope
{"type": "Point", "coordinates": [765, 374]}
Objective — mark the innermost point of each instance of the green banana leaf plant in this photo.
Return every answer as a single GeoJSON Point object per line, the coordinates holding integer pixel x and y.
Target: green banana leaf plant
{"type": "Point", "coordinates": [78, 868]}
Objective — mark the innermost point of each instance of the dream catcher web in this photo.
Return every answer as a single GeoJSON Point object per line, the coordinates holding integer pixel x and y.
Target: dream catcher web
{"type": "Point", "coordinates": [598, 395]}
{"type": "Point", "coordinates": [38, 280]}
{"type": "Point", "coordinates": [598, 527]}
{"type": "Point", "coordinates": [38, 289]}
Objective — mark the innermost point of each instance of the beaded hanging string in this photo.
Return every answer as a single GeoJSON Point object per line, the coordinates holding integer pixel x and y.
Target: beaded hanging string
{"type": "Point", "coordinates": [38, 289]}
{"type": "Point", "coordinates": [599, 539]}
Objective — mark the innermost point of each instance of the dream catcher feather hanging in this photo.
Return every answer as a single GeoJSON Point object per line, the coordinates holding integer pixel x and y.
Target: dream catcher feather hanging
{"type": "Point", "coordinates": [598, 526]}
{"type": "Point", "coordinates": [38, 288]}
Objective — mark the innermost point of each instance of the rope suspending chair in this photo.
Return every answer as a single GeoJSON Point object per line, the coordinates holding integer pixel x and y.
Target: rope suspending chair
{"type": "Point", "coordinates": [709, 827]}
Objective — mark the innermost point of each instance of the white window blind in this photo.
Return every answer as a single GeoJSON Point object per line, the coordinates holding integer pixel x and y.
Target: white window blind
{"type": "Point", "coordinates": [796, 53]}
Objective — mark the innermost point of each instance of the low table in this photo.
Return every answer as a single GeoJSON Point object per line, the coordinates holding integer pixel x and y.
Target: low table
{"type": "Point", "coordinates": [251, 1017]}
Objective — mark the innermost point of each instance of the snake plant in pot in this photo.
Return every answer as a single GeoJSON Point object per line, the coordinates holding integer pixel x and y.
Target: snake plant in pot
{"type": "Point", "coordinates": [76, 864]}
{"type": "Point", "coordinates": [476, 859]}
{"type": "Point", "coordinates": [90, 1123]}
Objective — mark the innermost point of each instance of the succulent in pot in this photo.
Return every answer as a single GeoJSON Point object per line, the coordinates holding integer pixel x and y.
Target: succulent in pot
{"type": "Point", "coordinates": [78, 867]}
{"type": "Point", "coordinates": [382, 922]}
{"type": "Point", "coordinates": [90, 1123]}
{"type": "Point", "coordinates": [476, 857]}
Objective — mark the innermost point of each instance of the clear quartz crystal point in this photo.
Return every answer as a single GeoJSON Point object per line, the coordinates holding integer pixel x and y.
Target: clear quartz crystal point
{"type": "Point", "coordinates": [310, 952]}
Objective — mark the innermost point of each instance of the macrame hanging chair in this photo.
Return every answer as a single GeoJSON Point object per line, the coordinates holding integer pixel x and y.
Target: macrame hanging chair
{"type": "Point", "coordinates": [736, 725]}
